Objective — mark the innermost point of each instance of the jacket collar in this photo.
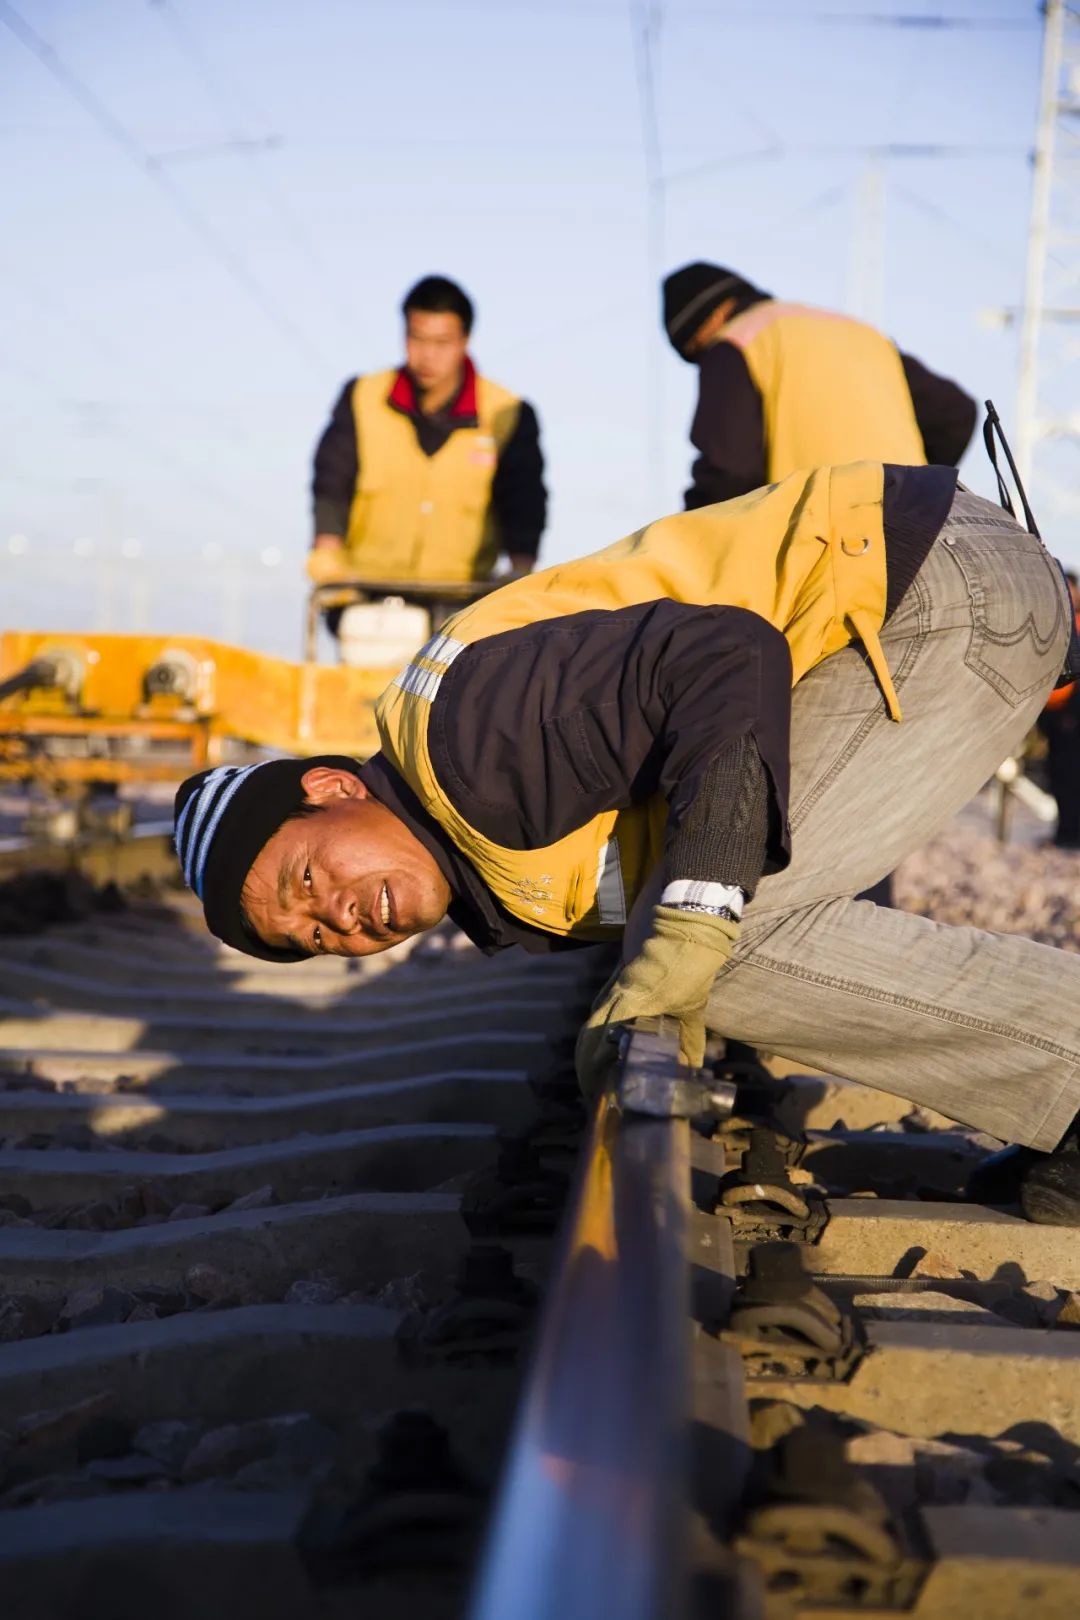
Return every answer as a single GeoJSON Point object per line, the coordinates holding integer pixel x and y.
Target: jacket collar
{"type": "Point", "coordinates": [461, 409]}
{"type": "Point", "coordinates": [745, 300]}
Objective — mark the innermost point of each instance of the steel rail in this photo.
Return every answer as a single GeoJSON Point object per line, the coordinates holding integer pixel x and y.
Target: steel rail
{"type": "Point", "coordinates": [591, 1509]}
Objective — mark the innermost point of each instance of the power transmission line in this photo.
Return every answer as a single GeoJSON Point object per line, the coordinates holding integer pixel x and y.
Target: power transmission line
{"type": "Point", "coordinates": [646, 21]}
{"type": "Point", "coordinates": [942, 216]}
{"type": "Point", "coordinates": [195, 151]}
{"type": "Point", "coordinates": [879, 151]}
{"type": "Point", "coordinates": [240, 141]}
{"type": "Point", "coordinates": [194, 475]}
{"type": "Point", "coordinates": [1047, 420]}
{"type": "Point", "coordinates": [151, 167]}
{"type": "Point", "coordinates": [723, 17]}
{"type": "Point", "coordinates": [935, 21]}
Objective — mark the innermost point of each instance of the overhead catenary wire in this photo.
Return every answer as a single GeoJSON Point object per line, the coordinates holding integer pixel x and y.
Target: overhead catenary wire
{"type": "Point", "coordinates": [194, 475]}
{"type": "Point", "coordinates": [245, 145]}
{"type": "Point", "coordinates": [229, 66]}
{"type": "Point", "coordinates": [724, 16]}
{"type": "Point", "coordinates": [117, 132]}
{"type": "Point", "coordinates": [938, 21]}
{"type": "Point", "coordinates": [646, 22]}
{"type": "Point", "coordinates": [880, 151]}
{"type": "Point", "coordinates": [942, 216]}
{"type": "Point", "coordinates": [199, 151]}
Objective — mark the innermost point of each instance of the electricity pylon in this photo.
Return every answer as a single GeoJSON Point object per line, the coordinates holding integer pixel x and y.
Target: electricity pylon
{"type": "Point", "coordinates": [1048, 393]}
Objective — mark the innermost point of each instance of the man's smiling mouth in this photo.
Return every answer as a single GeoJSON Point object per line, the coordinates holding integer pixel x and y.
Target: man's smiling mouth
{"type": "Point", "coordinates": [384, 906]}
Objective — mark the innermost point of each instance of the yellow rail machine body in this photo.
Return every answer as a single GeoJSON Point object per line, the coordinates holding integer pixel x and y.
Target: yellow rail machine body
{"type": "Point", "coordinates": [100, 708]}
{"type": "Point", "coordinates": [85, 710]}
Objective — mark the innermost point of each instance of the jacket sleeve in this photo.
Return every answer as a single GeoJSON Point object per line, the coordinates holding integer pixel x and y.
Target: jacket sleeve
{"type": "Point", "coordinates": [517, 491]}
{"type": "Point", "coordinates": [337, 466]}
{"type": "Point", "coordinates": [945, 414]}
{"type": "Point", "coordinates": [728, 430]}
{"type": "Point", "coordinates": [690, 702]}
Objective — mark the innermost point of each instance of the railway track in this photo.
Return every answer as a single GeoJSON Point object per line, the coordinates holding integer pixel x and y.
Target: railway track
{"type": "Point", "coordinates": [252, 1358]}
{"type": "Point", "coordinates": [271, 1249]}
{"type": "Point", "coordinates": [784, 1372]}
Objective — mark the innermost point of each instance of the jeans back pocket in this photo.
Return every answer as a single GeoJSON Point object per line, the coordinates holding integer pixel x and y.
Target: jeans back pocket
{"type": "Point", "coordinates": [1020, 625]}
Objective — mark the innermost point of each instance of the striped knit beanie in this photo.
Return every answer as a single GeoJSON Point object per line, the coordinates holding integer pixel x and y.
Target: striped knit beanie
{"type": "Point", "coordinates": [223, 818]}
{"type": "Point", "coordinates": [690, 296]}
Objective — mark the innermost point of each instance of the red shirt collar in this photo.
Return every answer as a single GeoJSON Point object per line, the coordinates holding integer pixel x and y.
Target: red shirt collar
{"type": "Point", "coordinates": [402, 395]}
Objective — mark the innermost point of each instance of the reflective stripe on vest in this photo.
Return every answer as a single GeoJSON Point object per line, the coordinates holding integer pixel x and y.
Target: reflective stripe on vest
{"type": "Point", "coordinates": [610, 894]}
{"type": "Point", "coordinates": [419, 678]}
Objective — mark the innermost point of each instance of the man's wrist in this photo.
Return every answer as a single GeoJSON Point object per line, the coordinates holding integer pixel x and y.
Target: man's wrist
{"type": "Point", "coordinates": [716, 899]}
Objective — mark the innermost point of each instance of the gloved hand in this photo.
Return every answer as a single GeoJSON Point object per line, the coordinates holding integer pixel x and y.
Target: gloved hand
{"type": "Point", "coordinates": [327, 564]}
{"type": "Point", "coordinates": [672, 974]}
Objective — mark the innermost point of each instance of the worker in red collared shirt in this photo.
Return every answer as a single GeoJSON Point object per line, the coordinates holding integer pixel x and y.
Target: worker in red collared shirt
{"type": "Point", "coordinates": [429, 472]}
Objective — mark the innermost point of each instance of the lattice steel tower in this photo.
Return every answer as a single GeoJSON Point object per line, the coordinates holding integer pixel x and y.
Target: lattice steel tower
{"type": "Point", "coordinates": [1048, 395]}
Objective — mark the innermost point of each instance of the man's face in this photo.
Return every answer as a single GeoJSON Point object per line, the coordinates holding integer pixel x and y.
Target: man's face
{"type": "Point", "coordinates": [348, 880]}
{"type": "Point", "coordinates": [435, 346]}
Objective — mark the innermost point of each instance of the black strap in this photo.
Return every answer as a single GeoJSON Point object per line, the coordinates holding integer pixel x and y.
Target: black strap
{"type": "Point", "coordinates": [1071, 671]}
{"type": "Point", "coordinates": [991, 426]}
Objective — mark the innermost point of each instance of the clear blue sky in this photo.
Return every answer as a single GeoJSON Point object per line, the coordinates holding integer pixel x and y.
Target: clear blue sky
{"type": "Point", "coordinates": [186, 294]}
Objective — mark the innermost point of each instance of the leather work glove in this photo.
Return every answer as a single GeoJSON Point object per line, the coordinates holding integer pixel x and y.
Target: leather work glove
{"type": "Point", "coordinates": [327, 565]}
{"type": "Point", "coordinates": [673, 975]}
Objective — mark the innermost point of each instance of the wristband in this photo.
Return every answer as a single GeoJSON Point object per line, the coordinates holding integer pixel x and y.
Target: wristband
{"type": "Point", "coordinates": [725, 898]}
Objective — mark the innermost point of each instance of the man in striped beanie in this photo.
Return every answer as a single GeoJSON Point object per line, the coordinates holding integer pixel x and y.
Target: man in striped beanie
{"type": "Point", "coordinates": [703, 743]}
{"type": "Point", "coordinates": [275, 878]}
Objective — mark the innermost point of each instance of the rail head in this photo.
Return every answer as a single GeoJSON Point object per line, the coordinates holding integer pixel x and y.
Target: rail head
{"type": "Point", "coordinates": [592, 1499]}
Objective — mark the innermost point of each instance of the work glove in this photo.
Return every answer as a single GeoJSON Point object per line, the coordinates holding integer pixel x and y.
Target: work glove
{"type": "Point", "coordinates": [326, 565]}
{"type": "Point", "coordinates": [672, 975]}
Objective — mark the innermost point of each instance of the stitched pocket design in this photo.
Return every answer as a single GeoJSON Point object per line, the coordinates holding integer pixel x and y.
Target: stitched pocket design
{"type": "Point", "coordinates": [1019, 631]}
{"type": "Point", "coordinates": [568, 735]}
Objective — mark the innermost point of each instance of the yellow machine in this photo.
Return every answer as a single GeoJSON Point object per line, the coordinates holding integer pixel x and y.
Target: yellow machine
{"type": "Point", "coordinates": [80, 711]}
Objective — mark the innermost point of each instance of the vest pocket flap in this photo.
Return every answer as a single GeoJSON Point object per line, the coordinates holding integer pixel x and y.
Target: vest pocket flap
{"type": "Point", "coordinates": [568, 737]}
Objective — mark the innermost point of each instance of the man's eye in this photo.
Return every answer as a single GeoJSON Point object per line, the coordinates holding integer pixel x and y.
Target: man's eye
{"type": "Point", "coordinates": [307, 877]}
{"type": "Point", "coordinates": [317, 937]}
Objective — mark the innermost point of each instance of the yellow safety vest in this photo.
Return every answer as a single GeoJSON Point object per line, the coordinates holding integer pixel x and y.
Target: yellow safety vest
{"type": "Point", "coordinates": [832, 389]}
{"type": "Point", "coordinates": [418, 517]}
{"type": "Point", "coordinates": [807, 554]}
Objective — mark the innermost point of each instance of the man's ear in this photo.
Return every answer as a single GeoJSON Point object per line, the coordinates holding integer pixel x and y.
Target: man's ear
{"type": "Point", "coordinates": [323, 783]}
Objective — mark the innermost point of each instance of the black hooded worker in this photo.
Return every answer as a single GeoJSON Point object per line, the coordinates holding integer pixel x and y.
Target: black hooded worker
{"type": "Point", "coordinates": [784, 386]}
{"type": "Point", "coordinates": [705, 741]}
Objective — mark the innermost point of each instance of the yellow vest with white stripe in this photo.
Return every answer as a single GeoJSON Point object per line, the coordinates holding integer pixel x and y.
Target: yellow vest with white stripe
{"type": "Point", "coordinates": [832, 389]}
{"type": "Point", "coordinates": [418, 517]}
{"type": "Point", "coordinates": [807, 554]}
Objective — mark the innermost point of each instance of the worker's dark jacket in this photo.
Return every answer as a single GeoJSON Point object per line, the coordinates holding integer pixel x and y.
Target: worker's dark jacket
{"type": "Point", "coordinates": [533, 732]}
{"type": "Point", "coordinates": [785, 386]}
{"type": "Point", "coordinates": [503, 455]}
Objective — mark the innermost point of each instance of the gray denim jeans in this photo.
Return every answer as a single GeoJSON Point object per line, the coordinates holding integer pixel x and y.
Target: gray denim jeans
{"type": "Point", "coordinates": [983, 1027]}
